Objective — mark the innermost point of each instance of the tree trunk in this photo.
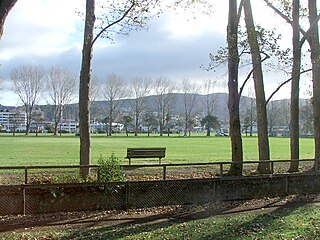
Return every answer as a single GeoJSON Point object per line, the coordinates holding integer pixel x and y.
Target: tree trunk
{"type": "Point", "coordinates": [5, 7]}
{"type": "Point", "coordinates": [295, 74]}
{"type": "Point", "coordinates": [136, 125]}
{"type": "Point", "coordinates": [315, 60]}
{"type": "Point", "coordinates": [55, 120]}
{"type": "Point", "coordinates": [85, 76]}
{"type": "Point", "coordinates": [233, 101]}
{"type": "Point", "coordinates": [262, 123]}
{"type": "Point", "coordinates": [251, 116]}
{"type": "Point", "coordinates": [29, 119]}
{"type": "Point", "coordinates": [110, 126]}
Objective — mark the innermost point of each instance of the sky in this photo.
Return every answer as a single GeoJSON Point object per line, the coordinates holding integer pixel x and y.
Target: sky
{"type": "Point", "coordinates": [176, 44]}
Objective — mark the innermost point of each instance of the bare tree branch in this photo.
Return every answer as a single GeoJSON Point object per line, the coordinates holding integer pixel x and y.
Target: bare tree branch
{"type": "Point", "coordinates": [239, 11]}
{"type": "Point", "coordinates": [250, 73]}
{"type": "Point", "coordinates": [114, 23]}
{"type": "Point", "coordinates": [284, 83]}
{"type": "Point", "coordinates": [309, 31]}
{"type": "Point", "coordinates": [286, 18]}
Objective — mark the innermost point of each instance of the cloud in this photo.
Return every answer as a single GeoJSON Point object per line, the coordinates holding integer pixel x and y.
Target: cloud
{"type": "Point", "coordinates": [44, 28]}
{"type": "Point", "coordinates": [50, 33]}
{"type": "Point", "coordinates": [155, 53]}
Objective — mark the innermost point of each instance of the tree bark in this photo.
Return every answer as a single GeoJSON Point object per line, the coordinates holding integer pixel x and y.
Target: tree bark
{"type": "Point", "coordinates": [84, 90]}
{"type": "Point", "coordinates": [262, 123]}
{"type": "Point", "coordinates": [5, 7]}
{"type": "Point", "coordinates": [315, 60]}
{"type": "Point", "coordinates": [233, 101]}
{"type": "Point", "coordinates": [295, 74]}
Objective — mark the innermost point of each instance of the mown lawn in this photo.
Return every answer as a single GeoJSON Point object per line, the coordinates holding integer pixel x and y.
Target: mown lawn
{"type": "Point", "coordinates": [55, 150]}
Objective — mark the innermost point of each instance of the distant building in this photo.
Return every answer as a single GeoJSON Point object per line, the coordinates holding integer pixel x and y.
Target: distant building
{"type": "Point", "coordinates": [10, 120]}
{"type": "Point", "coordinates": [69, 126]}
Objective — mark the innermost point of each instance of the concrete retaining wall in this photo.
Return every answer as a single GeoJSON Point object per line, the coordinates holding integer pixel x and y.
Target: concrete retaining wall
{"type": "Point", "coordinates": [33, 199]}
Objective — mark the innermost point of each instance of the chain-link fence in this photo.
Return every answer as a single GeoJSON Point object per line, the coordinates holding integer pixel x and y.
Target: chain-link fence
{"type": "Point", "coordinates": [46, 198]}
{"type": "Point", "coordinates": [151, 172]}
{"type": "Point", "coordinates": [38, 189]}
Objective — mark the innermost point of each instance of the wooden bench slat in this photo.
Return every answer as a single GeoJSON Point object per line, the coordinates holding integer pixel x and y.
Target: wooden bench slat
{"type": "Point", "coordinates": [146, 153]}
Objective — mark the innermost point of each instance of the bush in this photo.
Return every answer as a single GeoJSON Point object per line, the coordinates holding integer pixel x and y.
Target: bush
{"type": "Point", "coordinates": [110, 169]}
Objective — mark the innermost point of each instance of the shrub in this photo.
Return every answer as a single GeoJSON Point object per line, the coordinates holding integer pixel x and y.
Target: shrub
{"type": "Point", "coordinates": [110, 169]}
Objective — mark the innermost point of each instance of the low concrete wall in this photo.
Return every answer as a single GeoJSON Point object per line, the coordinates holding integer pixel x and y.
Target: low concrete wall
{"type": "Point", "coordinates": [33, 199]}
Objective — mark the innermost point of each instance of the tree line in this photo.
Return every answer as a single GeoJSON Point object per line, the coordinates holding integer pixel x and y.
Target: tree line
{"type": "Point", "coordinates": [133, 14]}
{"type": "Point", "coordinates": [58, 88]}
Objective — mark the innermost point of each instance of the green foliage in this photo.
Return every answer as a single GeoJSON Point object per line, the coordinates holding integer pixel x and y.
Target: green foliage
{"type": "Point", "coordinates": [47, 178]}
{"type": "Point", "coordinates": [210, 121]}
{"type": "Point", "coordinates": [110, 169]}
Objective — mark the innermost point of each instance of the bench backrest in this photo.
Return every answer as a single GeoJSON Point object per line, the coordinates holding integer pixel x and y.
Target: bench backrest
{"type": "Point", "coordinates": [146, 152]}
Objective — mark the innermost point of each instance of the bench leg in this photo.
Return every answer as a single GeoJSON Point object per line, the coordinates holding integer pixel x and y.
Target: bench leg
{"type": "Point", "coordinates": [159, 160]}
{"type": "Point", "coordinates": [129, 161]}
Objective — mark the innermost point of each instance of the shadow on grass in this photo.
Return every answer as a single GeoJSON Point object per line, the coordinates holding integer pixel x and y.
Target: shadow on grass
{"type": "Point", "coordinates": [115, 228]}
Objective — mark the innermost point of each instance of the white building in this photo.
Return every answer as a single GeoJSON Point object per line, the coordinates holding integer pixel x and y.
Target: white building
{"type": "Point", "coordinates": [68, 126]}
{"type": "Point", "coordinates": [12, 119]}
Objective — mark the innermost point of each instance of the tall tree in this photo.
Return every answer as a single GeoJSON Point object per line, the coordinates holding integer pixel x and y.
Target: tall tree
{"type": "Point", "coordinates": [84, 89]}
{"type": "Point", "coordinates": [150, 120]}
{"type": "Point", "coordinates": [273, 112]}
{"type": "Point", "coordinates": [118, 17]}
{"type": "Point", "coordinates": [113, 91]}
{"type": "Point", "coordinates": [141, 88]}
{"type": "Point", "coordinates": [315, 61]}
{"type": "Point", "coordinates": [306, 118]}
{"type": "Point", "coordinates": [5, 8]}
{"type": "Point", "coordinates": [263, 141]}
{"type": "Point", "coordinates": [28, 83]}
{"type": "Point", "coordinates": [126, 121]}
{"type": "Point", "coordinates": [61, 87]}
{"type": "Point", "coordinates": [295, 82]}
{"type": "Point", "coordinates": [312, 36]}
{"type": "Point", "coordinates": [209, 122]}
{"type": "Point", "coordinates": [190, 99]}
{"type": "Point", "coordinates": [209, 97]}
{"type": "Point", "coordinates": [234, 97]}
{"type": "Point", "coordinates": [95, 94]}
{"type": "Point", "coordinates": [163, 88]}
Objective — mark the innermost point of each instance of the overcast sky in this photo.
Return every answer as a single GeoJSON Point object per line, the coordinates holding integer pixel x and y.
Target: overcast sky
{"type": "Point", "coordinates": [175, 45]}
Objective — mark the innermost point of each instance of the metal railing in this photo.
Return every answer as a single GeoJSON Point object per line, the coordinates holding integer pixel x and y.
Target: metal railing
{"type": "Point", "coordinates": [25, 174]}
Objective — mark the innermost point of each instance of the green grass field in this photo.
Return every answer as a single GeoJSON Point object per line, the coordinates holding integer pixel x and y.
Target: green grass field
{"type": "Point", "coordinates": [55, 150]}
{"type": "Point", "coordinates": [298, 221]}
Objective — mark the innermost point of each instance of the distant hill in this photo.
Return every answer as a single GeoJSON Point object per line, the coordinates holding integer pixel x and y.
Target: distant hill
{"type": "Point", "coordinates": [221, 104]}
{"type": "Point", "coordinates": [98, 109]}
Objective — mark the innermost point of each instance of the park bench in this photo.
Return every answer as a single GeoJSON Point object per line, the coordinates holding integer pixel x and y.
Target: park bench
{"type": "Point", "coordinates": [146, 153]}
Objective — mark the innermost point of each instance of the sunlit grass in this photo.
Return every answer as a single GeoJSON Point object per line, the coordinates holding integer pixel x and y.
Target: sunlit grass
{"type": "Point", "coordinates": [56, 150]}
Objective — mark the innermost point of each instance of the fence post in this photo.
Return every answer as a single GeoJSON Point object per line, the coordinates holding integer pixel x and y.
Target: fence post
{"type": "Point", "coordinates": [25, 175]}
{"type": "Point", "coordinates": [164, 172]}
{"type": "Point", "coordinates": [221, 169]}
{"type": "Point", "coordinates": [272, 167]}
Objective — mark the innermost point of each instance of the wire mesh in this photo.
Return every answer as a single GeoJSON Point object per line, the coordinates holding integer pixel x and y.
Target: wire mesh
{"type": "Point", "coordinates": [11, 200]}
{"type": "Point", "coordinates": [145, 186]}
